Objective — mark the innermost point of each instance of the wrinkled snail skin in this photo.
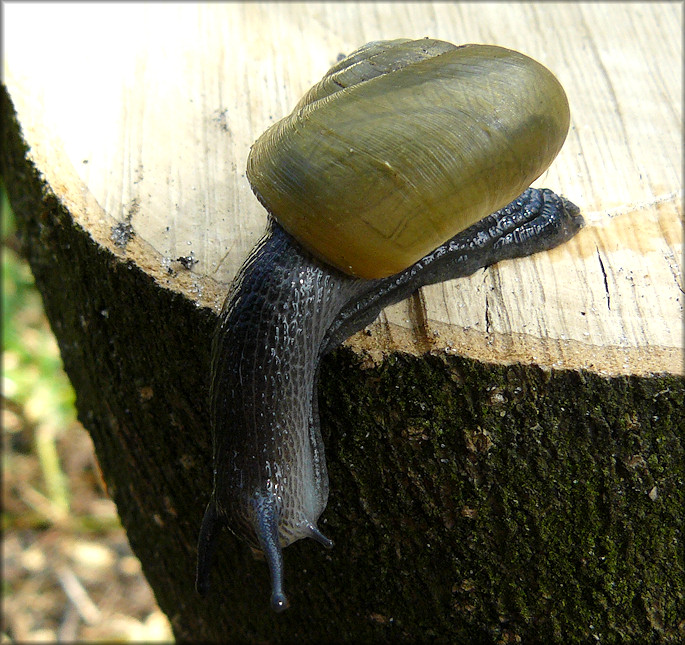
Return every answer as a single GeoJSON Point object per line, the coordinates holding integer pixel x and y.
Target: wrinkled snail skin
{"type": "Point", "coordinates": [286, 309]}
{"type": "Point", "coordinates": [401, 146]}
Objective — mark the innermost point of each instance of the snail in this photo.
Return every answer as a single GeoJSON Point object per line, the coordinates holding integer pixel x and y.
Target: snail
{"type": "Point", "coordinates": [408, 164]}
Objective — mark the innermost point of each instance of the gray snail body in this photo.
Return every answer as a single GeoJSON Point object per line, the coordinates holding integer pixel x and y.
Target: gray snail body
{"type": "Point", "coordinates": [347, 157]}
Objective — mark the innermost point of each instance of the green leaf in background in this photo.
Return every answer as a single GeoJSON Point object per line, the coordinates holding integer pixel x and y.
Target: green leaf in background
{"type": "Point", "coordinates": [33, 381]}
{"type": "Point", "coordinates": [58, 524]}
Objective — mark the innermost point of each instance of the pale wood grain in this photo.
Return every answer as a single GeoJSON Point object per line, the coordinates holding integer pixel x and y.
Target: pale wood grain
{"type": "Point", "coordinates": [146, 114]}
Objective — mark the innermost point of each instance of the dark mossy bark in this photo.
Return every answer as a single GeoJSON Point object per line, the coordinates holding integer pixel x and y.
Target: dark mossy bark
{"type": "Point", "coordinates": [503, 501]}
{"type": "Point", "coordinates": [469, 502]}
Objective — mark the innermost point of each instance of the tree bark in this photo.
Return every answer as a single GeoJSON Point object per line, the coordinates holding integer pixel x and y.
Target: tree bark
{"type": "Point", "coordinates": [505, 451]}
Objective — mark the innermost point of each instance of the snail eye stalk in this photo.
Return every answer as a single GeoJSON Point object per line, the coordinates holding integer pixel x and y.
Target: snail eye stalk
{"type": "Point", "coordinates": [266, 525]}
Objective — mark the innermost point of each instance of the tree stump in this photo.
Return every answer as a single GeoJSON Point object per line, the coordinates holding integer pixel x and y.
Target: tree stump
{"type": "Point", "coordinates": [505, 451]}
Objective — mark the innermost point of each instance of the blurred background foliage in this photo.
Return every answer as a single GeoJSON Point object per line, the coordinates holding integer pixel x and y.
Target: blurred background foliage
{"type": "Point", "coordinates": [68, 571]}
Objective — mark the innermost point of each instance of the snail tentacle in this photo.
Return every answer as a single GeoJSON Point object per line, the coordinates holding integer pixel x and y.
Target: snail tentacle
{"type": "Point", "coordinates": [206, 547]}
{"type": "Point", "coordinates": [266, 511]}
{"type": "Point", "coordinates": [319, 537]}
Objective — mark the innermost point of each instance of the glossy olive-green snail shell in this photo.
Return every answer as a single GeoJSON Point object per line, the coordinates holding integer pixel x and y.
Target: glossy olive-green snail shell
{"type": "Point", "coordinates": [404, 144]}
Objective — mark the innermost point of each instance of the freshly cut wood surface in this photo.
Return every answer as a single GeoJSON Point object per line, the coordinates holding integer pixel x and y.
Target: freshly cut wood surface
{"type": "Point", "coordinates": [140, 118]}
